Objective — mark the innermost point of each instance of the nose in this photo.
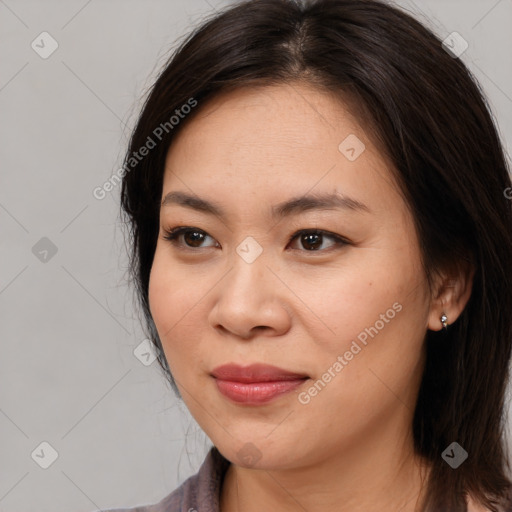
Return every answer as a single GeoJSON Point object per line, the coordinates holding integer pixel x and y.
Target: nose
{"type": "Point", "coordinates": [250, 301]}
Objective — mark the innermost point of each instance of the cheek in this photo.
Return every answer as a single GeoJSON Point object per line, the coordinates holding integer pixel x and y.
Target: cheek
{"type": "Point", "coordinates": [342, 303]}
{"type": "Point", "coordinates": [161, 293]}
{"type": "Point", "coordinates": [172, 292]}
{"type": "Point", "coordinates": [172, 297]}
{"type": "Point", "coordinates": [177, 304]}
{"type": "Point", "coordinates": [372, 314]}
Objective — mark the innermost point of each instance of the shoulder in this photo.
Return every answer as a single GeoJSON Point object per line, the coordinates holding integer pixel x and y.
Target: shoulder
{"type": "Point", "coordinates": [199, 492]}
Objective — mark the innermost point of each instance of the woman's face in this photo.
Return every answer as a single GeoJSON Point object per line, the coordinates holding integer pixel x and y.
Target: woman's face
{"type": "Point", "coordinates": [242, 287]}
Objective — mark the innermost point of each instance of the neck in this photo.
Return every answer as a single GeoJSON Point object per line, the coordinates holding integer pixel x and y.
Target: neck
{"type": "Point", "coordinates": [374, 475]}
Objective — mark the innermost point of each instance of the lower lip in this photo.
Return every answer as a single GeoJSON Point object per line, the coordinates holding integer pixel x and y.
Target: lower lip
{"type": "Point", "coordinates": [257, 392]}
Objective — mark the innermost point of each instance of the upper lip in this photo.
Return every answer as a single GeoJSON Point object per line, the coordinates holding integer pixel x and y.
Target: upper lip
{"type": "Point", "coordinates": [254, 373]}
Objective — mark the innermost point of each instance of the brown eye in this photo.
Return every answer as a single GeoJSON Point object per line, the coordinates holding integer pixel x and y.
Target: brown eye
{"type": "Point", "coordinates": [312, 240]}
{"type": "Point", "coordinates": [192, 237]}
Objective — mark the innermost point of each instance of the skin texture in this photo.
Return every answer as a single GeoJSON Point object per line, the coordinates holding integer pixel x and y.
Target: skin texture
{"type": "Point", "coordinates": [350, 447]}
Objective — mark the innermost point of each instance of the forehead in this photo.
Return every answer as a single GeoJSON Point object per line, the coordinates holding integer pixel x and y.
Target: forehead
{"type": "Point", "coordinates": [277, 139]}
{"type": "Point", "coordinates": [295, 113]}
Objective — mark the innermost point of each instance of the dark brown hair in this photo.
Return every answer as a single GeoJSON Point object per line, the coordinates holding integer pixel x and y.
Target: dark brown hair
{"type": "Point", "coordinates": [428, 115]}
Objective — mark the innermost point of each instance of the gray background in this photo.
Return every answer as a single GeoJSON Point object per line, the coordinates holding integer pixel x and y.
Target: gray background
{"type": "Point", "coordinates": [68, 373]}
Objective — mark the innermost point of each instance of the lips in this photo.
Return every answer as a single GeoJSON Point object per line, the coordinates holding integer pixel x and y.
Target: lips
{"type": "Point", "coordinates": [256, 384]}
{"type": "Point", "coordinates": [254, 373]}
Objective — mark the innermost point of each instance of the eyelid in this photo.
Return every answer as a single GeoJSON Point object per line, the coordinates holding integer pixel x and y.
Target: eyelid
{"type": "Point", "coordinates": [172, 234]}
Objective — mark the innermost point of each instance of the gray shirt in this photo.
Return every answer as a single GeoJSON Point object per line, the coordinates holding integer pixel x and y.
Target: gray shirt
{"type": "Point", "coordinates": [199, 493]}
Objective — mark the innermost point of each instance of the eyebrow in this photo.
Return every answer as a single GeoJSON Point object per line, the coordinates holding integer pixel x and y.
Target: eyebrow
{"type": "Point", "coordinates": [293, 206]}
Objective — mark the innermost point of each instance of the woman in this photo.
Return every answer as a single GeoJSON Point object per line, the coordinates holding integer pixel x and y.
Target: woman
{"type": "Point", "coordinates": [322, 244]}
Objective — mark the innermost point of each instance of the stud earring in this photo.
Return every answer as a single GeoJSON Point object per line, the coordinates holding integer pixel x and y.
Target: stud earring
{"type": "Point", "coordinates": [443, 321]}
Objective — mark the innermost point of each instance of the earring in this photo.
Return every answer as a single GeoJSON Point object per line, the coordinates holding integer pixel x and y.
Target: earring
{"type": "Point", "coordinates": [443, 321]}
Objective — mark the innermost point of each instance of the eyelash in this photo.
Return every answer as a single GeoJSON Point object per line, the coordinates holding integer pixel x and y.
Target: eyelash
{"type": "Point", "coordinates": [172, 235]}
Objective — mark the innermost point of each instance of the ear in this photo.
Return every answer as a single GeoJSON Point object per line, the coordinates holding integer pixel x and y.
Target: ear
{"type": "Point", "coordinates": [450, 294]}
